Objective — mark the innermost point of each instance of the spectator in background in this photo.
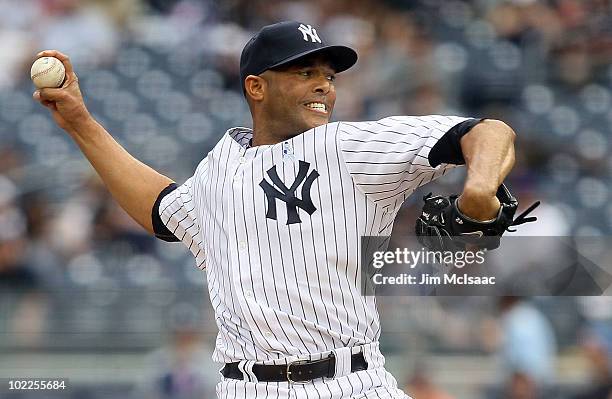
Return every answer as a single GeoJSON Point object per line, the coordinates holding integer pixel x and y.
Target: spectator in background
{"type": "Point", "coordinates": [162, 6]}
{"type": "Point", "coordinates": [120, 11]}
{"type": "Point", "coordinates": [113, 224]}
{"type": "Point", "coordinates": [72, 230]}
{"type": "Point", "coordinates": [17, 41]}
{"type": "Point", "coordinates": [521, 386]}
{"type": "Point", "coordinates": [79, 28]}
{"type": "Point", "coordinates": [39, 252]}
{"type": "Point", "coordinates": [596, 345]}
{"type": "Point", "coordinates": [19, 284]}
{"type": "Point", "coordinates": [13, 274]}
{"type": "Point", "coordinates": [527, 351]}
{"type": "Point", "coordinates": [182, 369]}
{"type": "Point", "coordinates": [600, 384]}
{"type": "Point", "coordinates": [420, 386]}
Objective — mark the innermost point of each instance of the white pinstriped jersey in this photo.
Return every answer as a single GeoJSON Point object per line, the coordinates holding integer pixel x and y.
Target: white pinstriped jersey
{"type": "Point", "coordinates": [277, 229]}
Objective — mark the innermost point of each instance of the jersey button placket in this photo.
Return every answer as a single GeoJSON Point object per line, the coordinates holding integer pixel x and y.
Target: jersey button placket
{"type": "Point", "coordinates": [244, 267]}
{"type": "Point", "coordinates": [240, 168]}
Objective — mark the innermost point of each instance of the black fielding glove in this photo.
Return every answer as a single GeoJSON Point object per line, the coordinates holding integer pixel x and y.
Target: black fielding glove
{"type": "Point", "coordinates": [442, 227]}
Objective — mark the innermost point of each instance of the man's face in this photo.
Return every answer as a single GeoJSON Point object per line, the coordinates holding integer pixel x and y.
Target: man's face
{"type": "Point", "coordinates": [300, 96]}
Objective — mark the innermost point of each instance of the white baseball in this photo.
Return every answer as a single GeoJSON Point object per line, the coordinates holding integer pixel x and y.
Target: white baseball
{"type": "Point", "coordinates": [47, 72]}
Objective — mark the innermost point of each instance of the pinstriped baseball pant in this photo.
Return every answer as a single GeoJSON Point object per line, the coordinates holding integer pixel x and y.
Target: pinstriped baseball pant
{"type": "Point", "coordinates": [376, 382]}
{"type": "Point", "coordinates": [370, 384]}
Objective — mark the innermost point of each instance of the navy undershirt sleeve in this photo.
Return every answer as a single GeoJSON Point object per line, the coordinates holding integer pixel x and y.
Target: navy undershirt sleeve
{"type": "Point", "coordinates": [448, 148]}
{"type": "Point", "coordinates": [160, 229]}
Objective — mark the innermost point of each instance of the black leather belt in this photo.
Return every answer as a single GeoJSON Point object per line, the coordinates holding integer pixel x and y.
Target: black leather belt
{"type": "Point", "coordinates": [298, 371]}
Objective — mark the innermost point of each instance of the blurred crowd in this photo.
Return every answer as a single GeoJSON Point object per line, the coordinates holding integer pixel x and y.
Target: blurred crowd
{"type": "Point", "coordinates": [162, 76]}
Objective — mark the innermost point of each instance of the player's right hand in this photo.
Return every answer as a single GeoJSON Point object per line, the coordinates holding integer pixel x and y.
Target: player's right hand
{"type": "Point", "coordinates": [65, 102]}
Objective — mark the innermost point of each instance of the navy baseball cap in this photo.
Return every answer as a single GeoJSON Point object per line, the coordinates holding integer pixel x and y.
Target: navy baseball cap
{"type": "Point", "coordinates": [284, 42]}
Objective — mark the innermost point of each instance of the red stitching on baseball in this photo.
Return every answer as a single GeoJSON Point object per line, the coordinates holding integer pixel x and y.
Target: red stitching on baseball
{"type": "Point", "coordinates": [46, 71]}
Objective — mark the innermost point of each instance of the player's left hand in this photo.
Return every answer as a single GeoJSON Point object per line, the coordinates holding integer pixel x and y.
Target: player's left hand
{"type": "Point", "coordinates": [443, 227]}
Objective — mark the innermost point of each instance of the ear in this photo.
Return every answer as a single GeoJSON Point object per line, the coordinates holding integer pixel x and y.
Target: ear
{"type": "Point", "coordinates": [255, 87]}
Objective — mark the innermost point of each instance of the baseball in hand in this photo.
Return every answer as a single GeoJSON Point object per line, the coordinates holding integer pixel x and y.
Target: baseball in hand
{"type": "Point", "coordinates": [47, 72]}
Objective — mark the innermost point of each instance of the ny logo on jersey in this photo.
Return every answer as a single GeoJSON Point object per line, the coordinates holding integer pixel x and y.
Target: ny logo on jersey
{"type": "Point", "coordinates": [308, 30]}
{"type": "Point", "coordinates": [287, 195]}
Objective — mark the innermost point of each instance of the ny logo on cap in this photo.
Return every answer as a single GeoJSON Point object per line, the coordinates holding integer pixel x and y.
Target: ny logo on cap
{"type": "Point", "coordinates": [308, 30]}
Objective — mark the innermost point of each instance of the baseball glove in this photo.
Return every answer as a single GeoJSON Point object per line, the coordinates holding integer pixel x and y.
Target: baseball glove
{"type": "Point", "coordinates": [442, 226]}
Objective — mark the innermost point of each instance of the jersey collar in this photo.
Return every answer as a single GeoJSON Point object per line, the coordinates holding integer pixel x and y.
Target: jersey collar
{"type": "Point", "coordinates": [242, 135]}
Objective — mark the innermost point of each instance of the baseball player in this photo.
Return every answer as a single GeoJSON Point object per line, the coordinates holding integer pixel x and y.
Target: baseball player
{"type": "Point", "coordinates": [274, 214]}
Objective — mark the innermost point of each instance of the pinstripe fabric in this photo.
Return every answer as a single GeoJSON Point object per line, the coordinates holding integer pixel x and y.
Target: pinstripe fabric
{"type": "Point", "coordinates": [377, 383]}
{"type": "Point", "coordinates": [283, 291]}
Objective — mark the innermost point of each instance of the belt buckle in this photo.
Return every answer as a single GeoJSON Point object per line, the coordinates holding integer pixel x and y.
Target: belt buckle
{"type": "Point", "coordinates": [289, 372]}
